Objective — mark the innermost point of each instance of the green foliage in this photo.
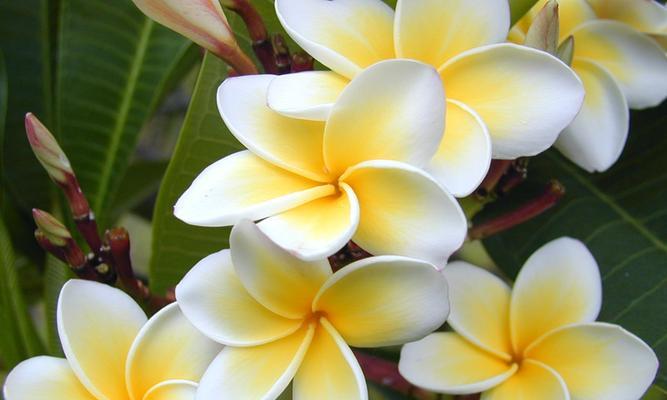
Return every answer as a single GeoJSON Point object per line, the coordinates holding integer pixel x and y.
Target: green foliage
{"type": "Point", "coordinates": [519, 8]}
{"type": "Point", "coordinates": [621, 217]}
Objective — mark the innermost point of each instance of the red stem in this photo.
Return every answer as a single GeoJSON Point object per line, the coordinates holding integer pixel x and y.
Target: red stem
{"type": "Point", "coordinates": [497, 169]}
{"type": "Point", "coordinates": [385, 373]}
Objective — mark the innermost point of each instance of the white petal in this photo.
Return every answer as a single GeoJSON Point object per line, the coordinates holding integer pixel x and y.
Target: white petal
{"type": "Point", "coordinates": [596, 138]}
{"type": "Point", "coordinates": [306, 95]}
{"type": "Point", "coordinates": [345, 35]}
{"type": "Point", "coordinates": [243, 186]}
{"type": "Point", "coordinates": [97, 325]}
{"type": "Point", "coordinates": [41, 378]}
{"type": "Point", "coordinates": [172, 390]}
{"type": "Point", "coordinates": [644, 15]}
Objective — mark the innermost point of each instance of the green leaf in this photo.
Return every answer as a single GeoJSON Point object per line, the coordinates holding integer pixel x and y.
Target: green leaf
{"type": "Point", "coordinates": [55, 275]}
{"type": "Point", "coordinates": [519, 8]}
{"type": "Point", "coordinates": [114, 64]}
{"type": "Point", "coordinates": [621, 216]}
{"type": "Point", "coordinates": [203, 140]}
{"type": "Point", "coordinates": [3, 109]}
{"type": "Point", "coordinates": [142, 180]}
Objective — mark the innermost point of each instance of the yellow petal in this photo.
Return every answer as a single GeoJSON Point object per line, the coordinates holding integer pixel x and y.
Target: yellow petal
{"type": "Point", "coordinates": [291, 144]}
{"type": "Point", "coordinates": [318, 229]}
{"type": "Point", "coordinates": [243, 186]}
{"type": "Point", "coordinates": [480, 303]}
{"type": "Point", "coordinates": [260, 372]}
{"type": "Point", "coordinates": [213, 298]}
{"type": "Point", "coordinates": [97, 325]}
{"type": "Point", "coordinates": [525, 96]}
{"type": "Point", "coordinates": [404, 211]}
{"type": "Point", "coordinates": [167, 348]}
{"type": "Point", "coordinates": [172, 390]}
{"type": "Point", "coordinates": [559, 285]}
{"type": "Point", "coordinates": [433, 31]}
{"type": "Point", "coordinates": [275, 278]}
{"type": "Point", "coordinates": [329, 371]}
{"type": "Point", "coordinates": [636, 61]}
{"type": "Point", "coordinates": [644, 15]}
{"type": "Point", "coordinates": [533, 380]}
{"type": "Point", "coordinates": [364, 38]}
{"type": "Point", "coordinates": [307, 95]}
{"type": "Point", "coordinates": [44, 377]}
{"type": "Point", "coordinates": [383, 301]}
{"type": "Point", "coordinates": [444, 362]}
{"type": "Point", "coordinates": [598, 361]}
{"type": "Point", "coordinates": [464, 154]}
{"type": "Point", "coordinates": [394, 110]}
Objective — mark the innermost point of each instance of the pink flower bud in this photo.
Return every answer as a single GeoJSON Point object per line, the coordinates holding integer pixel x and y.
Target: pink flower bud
{"type": "Point", "coordinates": [47, 150]}
{"type": "Point", "coordinates": [53, 229]}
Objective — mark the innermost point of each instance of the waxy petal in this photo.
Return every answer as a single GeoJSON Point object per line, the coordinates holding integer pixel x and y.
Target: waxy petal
{"type": "Point", "coordinates": [168, 348]}
{"type": "Point", "coordinates": [559, 285]}
{"type": "Point", "coordinates": [404, 211]}
{"type": "Point", "coordinates": [445, 362]}
{"type": "Point", "coordinates": [291, 144]}
{"type": "Point", "coordinates": [243, 186]}
{"type": "Point", "coordinates": [275, 278]}
{"type": "Point", "coordinates": [597, 136]}
{"type": "Point", "coordinates": [306, 95]}
{"type": "Point", "coordinates": [172, 390]}
{"type": "Point", "coordinates": [259, 372]}
{"type": "Point", "coordinates": [464, 155]}
{"type": "Point", "coordinates": [598, 361]}
{"type": "Point", "coordinates": [637, 62]}
{"type": "Point", "coordinates": [533, 380]}
{"type": "Point", "coordinates": [433, 31]}
{"type": "Point", "coordinates": [318, 229]}
{"type": "Point", "coordinates": [394, 110]}
{"type": "Point", "coordinates": [40, 378]}
{"type": "Point", "coordinates": [480, 303]}
{"type": "Point", "coordinates": [525, 96]}
{"type": "Point", "coordinates": [383, 301]}
{"type": "Point", "coordinates": [97, 325]}
{"type": "Point", "coordinates": [647, 16]}
{"type": "Point", "coordinates": [215, 301]}
{"type": "Point", "coordinates": [345, 35]}
{"type": "Point", "coordinates": [329, 371]}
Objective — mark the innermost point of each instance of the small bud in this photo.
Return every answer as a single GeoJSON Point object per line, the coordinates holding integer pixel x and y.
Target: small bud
{"type": "Point", "coordinates": [47, 150]}
{"type": "Point", "coordinates": [566, 50]}
{"type": "Point", "coordinates": [544, 32]}
{"type": "Point", "coordinates": [52, 229]}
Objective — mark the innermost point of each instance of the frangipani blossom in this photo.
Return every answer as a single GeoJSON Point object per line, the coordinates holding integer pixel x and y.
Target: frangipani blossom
{"type": "Point", "coordinates": [317, 185]}
{"type": "Point", "coordinates": [113, 353]}
{"type": "Point", "coordinates": [620, 67]}
{"type": "Point", "coordinates": [516, 97]}
{"type": "Point", "coordinates": [537, 341]}
{"type": "Point", "coordinates": [282, 318]}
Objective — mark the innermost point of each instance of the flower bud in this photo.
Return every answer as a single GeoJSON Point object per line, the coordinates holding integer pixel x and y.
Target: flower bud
{"type": "Point", "coordinates": [53, 229]}
{"type": "Point", "coordinates": [47, 150]}
{"type": "Point", "coordinates": [544, 31]}
{"type": "Point", "coordinates": [566, 50]}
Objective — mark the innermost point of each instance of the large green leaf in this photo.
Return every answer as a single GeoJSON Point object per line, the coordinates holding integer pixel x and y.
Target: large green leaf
{"type": "Point", "coordinates": [203, 140]}
{"type": "Point", "coordinates": [622, 216]}
{"type": "Point", "coordinates": [3, 109]}
{"type": "Point", "coordinates": [114, 65]}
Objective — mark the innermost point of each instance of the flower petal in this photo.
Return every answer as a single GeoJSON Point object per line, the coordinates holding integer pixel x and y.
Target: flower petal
{"type": "Point", "coordinates": [559, 285]}
{"type": "Point", "coordinates": [598, 361]}
{"type": "Point", "coordinates": [364, 38]}
{"type": "Point", "coordinates": [637, 62]}
{"type": "Point", "coordinates": [43, 377]}
{"type": "Point", "coordinates": [291, 144]}
{"type": "Point", "coordinates": [167, 348]}
{"type": "Point", "coordinates": [275, 278]}
{"type": "Point", "coordinates": [260, 372]}
{"type": "Point", "coordinates": [597, 136]}
{"type": "Point", "coordinates": [533, 380]}
{"type": "Point", "coordinates": [329, 371]}
{"type": "Point", "coordinates": [383, 301]}
{"type": "Point", "coordinates": [644, 15]}
{"type": "Point", "coordinates": [172, 390]}
{"type": "Point", "coordinates": [404, 211]}
{"type": "Point", "coordinates": [480, 303]}
{"type": "Point", "coordinates": [213, 298]}
{"type": "Point", "coordinates": [307, 95]}
{"type": "Point", "coordinates": [394, 110]}
{"type": "Point", "coordinates": [464, 154]}
{"type": "Point", "coordinates": [318, 229]}
{"type": "Point", "coordinates": [433, 31]}
{"type": "Point", "coordinates": [571, 13]}
{"type": "Point", "coordinates": [525, 97]}
{"type": "Point", "coordinates": [97, 325]}
{"type": "Point", "coordinates": [243, 186]}
{"type": "Point", "coordinates": [445, 362]}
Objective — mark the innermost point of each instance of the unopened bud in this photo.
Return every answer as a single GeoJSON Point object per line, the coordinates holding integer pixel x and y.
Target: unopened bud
{"type": "Point", "coordinates": [47, 150]}
{"type": "Point", "coordinates": [544, 31]}
{"type": "Point", "coordinates": [51, 228]}
{"type": "Point", "coordinates": [566, 50]}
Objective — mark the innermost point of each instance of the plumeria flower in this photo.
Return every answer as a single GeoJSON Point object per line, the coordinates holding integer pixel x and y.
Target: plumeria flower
{"type": "Point", "coordinates": [515, 97]}
{"type": "Point", "coordinates": [285, 319]}
{"type": "Point", "coordinates": [112, 352]}
{"type": "Point", "coordinates": [317, 185]}
{"type": "Point", "coordinates": [620, 67]}
{"type": "Point", "coordinates": [537, 341]}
